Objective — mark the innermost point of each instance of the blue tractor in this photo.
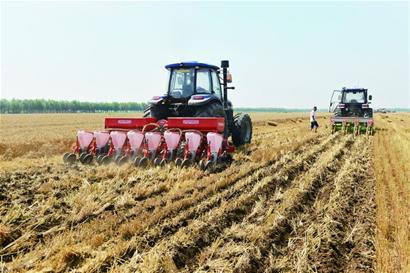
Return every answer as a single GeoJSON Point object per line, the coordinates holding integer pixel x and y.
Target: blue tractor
{"type": "Point", "coordinates": [201, 90]}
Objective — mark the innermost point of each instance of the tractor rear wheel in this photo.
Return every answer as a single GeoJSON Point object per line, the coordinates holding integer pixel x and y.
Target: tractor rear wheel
{"type": "Point", "coordinates": [242, 129]}
{"type": "Point", "coordinates": [213, 109]}
{"type": "Point", "coordinates": [158, 112]}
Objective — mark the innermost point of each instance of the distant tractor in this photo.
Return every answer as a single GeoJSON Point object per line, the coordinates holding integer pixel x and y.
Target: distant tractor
{"type": "Point", "coordinates": [351, 111]}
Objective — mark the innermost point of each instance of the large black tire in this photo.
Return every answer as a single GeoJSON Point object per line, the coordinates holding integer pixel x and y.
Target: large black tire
{"type": "Point", "coordinates": [242, 129]}
{"type": "Point", "coordinates": [213, 109]}
{"type": "Point", "coordinates": [159, 111]}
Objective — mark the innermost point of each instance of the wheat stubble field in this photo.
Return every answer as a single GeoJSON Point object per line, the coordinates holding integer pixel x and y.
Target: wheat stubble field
{"type": "Point", "coordinates": [292, 201]}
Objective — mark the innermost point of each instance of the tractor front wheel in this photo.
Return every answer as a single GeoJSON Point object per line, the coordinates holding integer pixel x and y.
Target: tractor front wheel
{"type": "Point", "coordinates": [242, 129]}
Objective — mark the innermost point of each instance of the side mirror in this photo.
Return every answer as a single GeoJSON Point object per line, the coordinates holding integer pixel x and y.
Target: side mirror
{"type": "Point", "coordinates": [229, 77]}
{"type": "Point", "coordinates": [370, 97]}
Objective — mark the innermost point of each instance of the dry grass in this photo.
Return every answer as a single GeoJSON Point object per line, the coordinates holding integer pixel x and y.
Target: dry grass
{"type": "Point", "coordinates": [36, 135]}
{"type": "Point", "coordinates": [392, 166]}
{"type": "Point", "coordinates": [273, 209]}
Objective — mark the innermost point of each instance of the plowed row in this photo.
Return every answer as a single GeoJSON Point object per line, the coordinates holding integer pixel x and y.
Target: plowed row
{"type": "Point", "coordinates": [292, 201]}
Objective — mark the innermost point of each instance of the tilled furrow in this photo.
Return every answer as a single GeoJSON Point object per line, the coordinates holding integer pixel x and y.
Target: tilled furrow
{"type": "Point", "coordinates": [222, 191]}
{"type": "Point", "coordinates": [186, 243]}
{"type": "Point", "coordinates": [348, 242]}
{"type": "Point", "coordinates": [171, 225]}
{"type": "Point", "coordinates": [337, 235]}
{"type": "Point", "coordinates": [244, 247]}
{"type": "Point", "coordinates": [35, 229]}
{"type": "Point", "coordinates": [280, 229]}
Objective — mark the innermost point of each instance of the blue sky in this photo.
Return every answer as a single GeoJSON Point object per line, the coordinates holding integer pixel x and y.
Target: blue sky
{"type": "Point", "coordinates": [282, 54]}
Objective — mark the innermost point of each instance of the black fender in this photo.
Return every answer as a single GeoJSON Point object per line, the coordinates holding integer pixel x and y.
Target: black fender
{"type": "Point", "coordinates": [158, 108]}
{"type": "Point", "coordinates": [155, 100]}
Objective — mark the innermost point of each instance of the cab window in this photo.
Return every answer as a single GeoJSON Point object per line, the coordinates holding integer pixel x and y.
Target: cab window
{"type": "Point", "coordinates": [181, 85]}
{"type": "Point", "coordinates": [216, 85]}
{"type": "Point", "coordinates": [353, 97]}
{"type": "Point", "coordinates": [203, 81]}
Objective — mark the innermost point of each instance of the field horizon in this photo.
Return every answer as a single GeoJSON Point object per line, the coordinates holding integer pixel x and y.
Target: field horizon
{"type": "Point", "coordinates": [39, 106]}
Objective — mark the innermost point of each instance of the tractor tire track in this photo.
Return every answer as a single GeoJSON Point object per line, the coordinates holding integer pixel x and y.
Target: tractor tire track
{"type": "Point", "coordinates": [277, 242]}
{"type": "Point", "coordinates": [186, 243]}
{"type": "Point", "coordinates": [223, 193]}
{"type": "Point", "coordinates": [234, 191]}
{"type": "Point", "coordinates": [242, 247]}
{"type": "Point", "coordinates": [337, 234]}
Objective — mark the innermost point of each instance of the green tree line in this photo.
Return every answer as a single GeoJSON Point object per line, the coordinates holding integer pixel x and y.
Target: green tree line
{"type": "Point", "coordinates": [17, 106]}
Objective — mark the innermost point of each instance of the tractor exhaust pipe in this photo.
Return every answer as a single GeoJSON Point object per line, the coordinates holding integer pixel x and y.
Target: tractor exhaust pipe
{"type": "Point", "coordinates": [225, 65]}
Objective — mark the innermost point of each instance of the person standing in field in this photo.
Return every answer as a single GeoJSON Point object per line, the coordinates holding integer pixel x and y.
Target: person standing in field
{"type": "Point", "coordinates": [313, 121]}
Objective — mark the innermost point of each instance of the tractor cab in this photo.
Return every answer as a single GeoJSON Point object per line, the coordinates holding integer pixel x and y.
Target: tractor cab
{"type": "Point", "coordinates": [190, 85]}
{"type": "Point", "coordinates": [355, 96]}
{"type": "Point", "coordinates": [188, 79]}
{"type": "Point", "coordinates": [351, 102]}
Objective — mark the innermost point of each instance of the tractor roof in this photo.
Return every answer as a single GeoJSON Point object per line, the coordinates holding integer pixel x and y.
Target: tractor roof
{"type": "Point", "coordinates": [354, 89]}
{"type": "Point", "coordinates": [191, 64]}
